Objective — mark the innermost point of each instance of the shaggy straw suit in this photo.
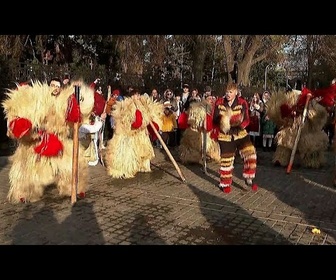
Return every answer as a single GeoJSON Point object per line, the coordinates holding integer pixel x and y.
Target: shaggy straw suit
{"type": "Point", "coordinates": [32, 171]}
{"type": "Point", "coordinates": [130, 149]}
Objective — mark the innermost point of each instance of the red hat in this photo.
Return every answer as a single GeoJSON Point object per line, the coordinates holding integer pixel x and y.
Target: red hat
{"type": "Point", "coordinates": [116, 92]}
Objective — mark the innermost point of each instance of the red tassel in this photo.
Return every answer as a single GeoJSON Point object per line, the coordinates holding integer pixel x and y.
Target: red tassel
{"type": "Point", "coordinates": [20, 127]}
{"type": "Point", "coordinates": [73, 111]}
{"type": "Point", "coordinates": [138, 120]}
{"type": "Point", "coordinates": [49, 146]}
{"type": "Point", "coordinates": [183, 121]}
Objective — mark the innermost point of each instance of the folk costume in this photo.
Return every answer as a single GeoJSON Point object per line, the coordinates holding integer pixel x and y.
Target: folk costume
{"type": "Point", "coordinates": [230, 122]}
{"type": "Point", "coordinates": [130, 150]}
{"type": "Point", "coordinates": [286, 110]}
{"type": "Point", "coordinates": [42, 124]}
{"type": "Point", "coordinates": [91, 131]}
{"type": "Point", "coordinates": [192, 120]}
{"type": "Point", "coordinates": [89, 136]}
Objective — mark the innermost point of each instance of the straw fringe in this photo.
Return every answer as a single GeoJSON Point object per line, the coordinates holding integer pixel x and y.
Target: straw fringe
{"type": "Point", "coordinates": [130, 150]}
{"type": "Point", "coordinates": [190, 149]}
{"type": "Point", "coordinates": [313, 141]}
{"type": "Point", "coordinates": [30, 174]}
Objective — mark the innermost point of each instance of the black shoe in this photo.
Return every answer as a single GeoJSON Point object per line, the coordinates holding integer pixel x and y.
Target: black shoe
{"type": "Point", "coordinates": [248, 182]}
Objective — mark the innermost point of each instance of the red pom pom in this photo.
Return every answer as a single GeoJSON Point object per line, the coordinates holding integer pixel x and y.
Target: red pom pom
{"type": "Point", "coordinates": [138, 120]}
{"type": "Point", "coordinates": [20, 127]}
{"type": "Point", "coordinates": [73, 111]}
{"type": "Point", "coordinates": [49, 146]}
{"type": "Point", "coordinates": [183, 121]}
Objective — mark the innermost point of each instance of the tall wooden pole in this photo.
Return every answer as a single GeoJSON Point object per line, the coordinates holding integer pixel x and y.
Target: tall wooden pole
{"type": "Point", "coordinates": [204, 141]}
{"type": "Point", "coordinates": [75, 153]}
{"type": "Point", "coordinates": [164, 146]}
{"type": "Point", "coordinates": [167, 151]}
{"type": "Point", "coordinates": [298, 135]}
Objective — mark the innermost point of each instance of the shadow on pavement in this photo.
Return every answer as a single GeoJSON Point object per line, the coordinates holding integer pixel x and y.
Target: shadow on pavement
{"type": "Point", "coordinates": [230, 224]}
{"type": "Point", "coordinates": [41, 227]}
{"type": "Point", "coordinates": [3, 161]}
{"type": "Point", "coordinates": [142, 224]}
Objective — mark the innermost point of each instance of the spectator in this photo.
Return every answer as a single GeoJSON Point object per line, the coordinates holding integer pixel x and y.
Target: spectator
{"type": "Point", "coordinates": [66, 79]}
{"type": "Point", "coordinates": [169, 125]}
{"type": "Point", "coordinates": [168, 95]}
{"type": "Point", "coordinates": [154, 95]}
{"type": "Point", "coordinates": [185, 97]}
{"type": "Point", "coordinates": [207, 92]}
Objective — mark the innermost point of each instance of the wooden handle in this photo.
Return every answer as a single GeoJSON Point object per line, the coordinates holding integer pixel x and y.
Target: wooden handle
{"type": "Point", "coordinates": [75, 153]}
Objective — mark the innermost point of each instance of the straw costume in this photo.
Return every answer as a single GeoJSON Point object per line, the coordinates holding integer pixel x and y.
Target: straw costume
{"type": "Point", "coordinates": [42, 124]}
{"type": "Point", "coordinates": [130, 150]}
{"type": "Point", "coordinates": [286, 110]}
{"type": "Point", "coordinates": [190, 149]}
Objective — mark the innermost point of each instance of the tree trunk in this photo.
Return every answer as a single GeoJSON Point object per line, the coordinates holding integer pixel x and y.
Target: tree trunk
{"type": "Point", "coordinates": [199, 53]}
{"type": "Point", "coordinates": [245, 69]}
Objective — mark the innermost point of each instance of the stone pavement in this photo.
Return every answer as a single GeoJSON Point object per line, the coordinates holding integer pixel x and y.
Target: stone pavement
{"type": "Point", "coordinates": [159, 208]}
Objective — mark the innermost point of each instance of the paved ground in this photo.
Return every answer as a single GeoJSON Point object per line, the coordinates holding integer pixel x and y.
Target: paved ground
{"type": "Point", "coordinates": [158, 208]}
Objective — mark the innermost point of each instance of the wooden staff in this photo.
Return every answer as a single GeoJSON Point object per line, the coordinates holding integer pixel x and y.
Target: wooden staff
{"type": "Point", "coordinates": [297, 139]}
{"type": "Point", "coordinates": [167, 151]}
{"type": "Point", "coordinates": [333, 145]}
{"type": "Point", "coordinates": [165, 147]}
{"type": "Point", "coordinates": [75, 153]}
{"type": "Point", "coordinates": [204, 142]}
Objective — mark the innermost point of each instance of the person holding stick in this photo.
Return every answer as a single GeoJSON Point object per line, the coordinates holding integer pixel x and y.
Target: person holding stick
{"type": "Point", "coordinates": [300, 117]}
{"type": "Point", "coordinates": [197, 145]}
{"type": "Point", "coordinates": [231, 118]}
{"type": "Point", "coordinates": [130, 151]}
{"type": "Point", "coordinates": [41, 117]}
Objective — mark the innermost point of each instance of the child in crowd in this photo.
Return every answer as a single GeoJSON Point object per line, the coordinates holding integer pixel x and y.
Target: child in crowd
{"type": "Point", "coordinates": [169, 125]}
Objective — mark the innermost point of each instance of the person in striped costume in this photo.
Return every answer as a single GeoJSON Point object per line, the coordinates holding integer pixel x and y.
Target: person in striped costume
{"type": "Point", "coordinates": [230, 119]}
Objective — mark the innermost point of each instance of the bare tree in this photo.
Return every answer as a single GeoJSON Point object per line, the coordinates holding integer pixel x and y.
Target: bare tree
{"type": "Point", "coordinates": [247, 50]}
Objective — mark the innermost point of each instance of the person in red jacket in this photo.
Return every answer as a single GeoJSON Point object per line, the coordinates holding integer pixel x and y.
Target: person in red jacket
{"type": "Point", "coordinates": [231, 117]}
{"type": "Point", "coordinates": [99, 112]}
